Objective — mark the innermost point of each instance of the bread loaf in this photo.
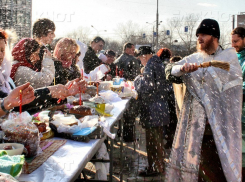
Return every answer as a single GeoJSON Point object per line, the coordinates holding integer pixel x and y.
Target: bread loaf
{"type": "Point", "coordinates": [81, 110]}
{"type": "Point", "coordinates": [77, 102]}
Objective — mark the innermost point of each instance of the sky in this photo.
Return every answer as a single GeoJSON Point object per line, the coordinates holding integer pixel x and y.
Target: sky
{"type": "Point", "coordinates": [68, 15]}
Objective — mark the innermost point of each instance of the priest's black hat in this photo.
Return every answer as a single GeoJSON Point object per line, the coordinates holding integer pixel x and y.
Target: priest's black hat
{"type": "Point", "coordinates": [209, 27]}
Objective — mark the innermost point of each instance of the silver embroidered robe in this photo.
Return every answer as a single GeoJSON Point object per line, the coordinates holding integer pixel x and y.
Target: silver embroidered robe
{"type": "Point", "coordinates": [212, 95]}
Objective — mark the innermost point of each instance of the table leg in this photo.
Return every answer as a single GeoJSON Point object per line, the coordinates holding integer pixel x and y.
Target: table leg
{"type": "Point", "coordinates": [111, 159]}
{"type": "Point", "coordinates": [121, 150]}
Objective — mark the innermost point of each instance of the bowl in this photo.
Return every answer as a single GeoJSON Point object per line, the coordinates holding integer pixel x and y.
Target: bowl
{"type": "Point", "coordinates": [18, 148]}
{"type": "Point", "coordinates": [117, 88]}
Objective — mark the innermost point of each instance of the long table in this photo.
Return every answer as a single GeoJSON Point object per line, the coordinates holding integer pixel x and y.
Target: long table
{"type": "Point", "coordinates": [68, 161]}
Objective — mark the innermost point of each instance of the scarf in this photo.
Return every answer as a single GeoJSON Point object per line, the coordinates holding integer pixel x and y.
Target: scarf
{"type": "Point", "coordinates": [19, 54]}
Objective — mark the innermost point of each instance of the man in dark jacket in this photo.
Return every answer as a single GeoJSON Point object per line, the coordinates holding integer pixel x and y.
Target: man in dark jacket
{"type": "Point", "coordinates": [128, 68]}
{"type": "Point", "coordinates": [152, 89]}
{"type": "Point", "coordinates": [128, 65]}
{"type": "Point", "coordinates": [91, 60]}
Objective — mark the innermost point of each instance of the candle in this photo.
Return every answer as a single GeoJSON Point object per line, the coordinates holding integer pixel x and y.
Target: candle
{"type": "Point", "coordinates": [20, 101]}
{"type": "Point", "coordinates": [80, 99]}
{"type": "Point", "coordinates": [67, 88]}
{"type": "Point", "coordinates": [116, 70]}
{"type": "Point", "coordinates": [82, 73]}
{"type": "Point", "coordinates": [54, 80]}
{"type": "Point", "coordinates": [90, 81]}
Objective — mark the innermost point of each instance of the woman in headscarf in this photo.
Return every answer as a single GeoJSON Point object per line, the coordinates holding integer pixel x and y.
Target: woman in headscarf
{"type": "Point", "coordinates": [25, 55]}
{"type": "Point", "coordinates": [64, 54]}
{"type": "Point", "coordinates": [31, 99]}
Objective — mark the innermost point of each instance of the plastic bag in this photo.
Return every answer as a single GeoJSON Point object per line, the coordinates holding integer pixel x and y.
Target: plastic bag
{"type": "Point", "coordinates": [102, 169]}
{"type": "Point", "coordinates": [109, 96]}
{"type": "Point", "coordinates": [20, 129]}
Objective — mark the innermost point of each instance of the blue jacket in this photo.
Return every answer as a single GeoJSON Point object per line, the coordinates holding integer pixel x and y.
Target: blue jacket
{"type": "Point", "coordinates": [152, 88]}
{"type": "Point", "coordinates": [241, 59]}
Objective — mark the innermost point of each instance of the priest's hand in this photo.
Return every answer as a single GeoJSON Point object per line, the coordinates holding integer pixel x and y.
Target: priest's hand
{"type": "Point", "coordinates": [189, 67]}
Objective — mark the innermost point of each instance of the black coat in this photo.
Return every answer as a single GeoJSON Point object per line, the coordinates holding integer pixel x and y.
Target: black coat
{"type": "Point", "coordinates": [152, 88]}
{"type": "Point", "coordinates": [130, 66]}
{"type": "Point", "coordinates": [90, 61]}
{"type": "Point", "coordinates": [42, 101]}
{"type": "Point", "coordinates": [62, 75]}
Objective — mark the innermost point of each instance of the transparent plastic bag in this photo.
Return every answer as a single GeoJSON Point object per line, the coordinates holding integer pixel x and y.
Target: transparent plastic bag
{"type": "Point", "coordinates": [20, 129]}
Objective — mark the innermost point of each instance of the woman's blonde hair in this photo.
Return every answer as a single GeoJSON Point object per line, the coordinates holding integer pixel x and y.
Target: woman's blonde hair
{"type": "Point", "coordinates": [65, 45]}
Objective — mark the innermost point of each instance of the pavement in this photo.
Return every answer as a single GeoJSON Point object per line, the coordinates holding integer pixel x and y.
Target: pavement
{"type": "Point", "coordinates": [134, 160]}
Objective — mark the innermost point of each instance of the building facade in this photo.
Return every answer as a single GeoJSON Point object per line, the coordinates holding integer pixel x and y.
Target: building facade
{"type": "Point", "coordinates": [16, 14]}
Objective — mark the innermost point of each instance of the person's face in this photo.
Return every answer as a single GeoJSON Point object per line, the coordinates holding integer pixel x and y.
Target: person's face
{"type": "Point", "coordinates": [143, 59]}
{"type": "Point", "coordinates": [35, 56]}
{"type": "Point", "coordinates": [97, 47]}
{"type": "Point", "coordinates": [2, 50]}
{"type": "Point", "coordinates": [110, 59]}
{"type": "Point", "coordinates": [238, 42]}
{"type": "Point", "coordinates": [205, 43]}
{"type": "Point", "coordinates": [130, 51]}
{"type": "Point", "coordinates": [68, 56]}
{"type": "Point", "coordinates": [49, 38]}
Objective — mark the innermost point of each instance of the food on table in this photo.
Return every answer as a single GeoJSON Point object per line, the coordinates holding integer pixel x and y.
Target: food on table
{"type": "Point", "coordinates": [27, 135]}
{"type": "Point", "coordinates": [91, 90]}
{"type": "Point", "coordinates": [19, 129]}
{"type": "Point", "coordinates": [105, 85]}
{"type": "Point", "coordinates": [82, 110]}
{"type": "Point", "coordinates": [77, 102]}
{"type": "Point", "coordinates": [97, 100]}
{"type": "Point", "coordinates": [8, 147]}
{"type": "Point", "coordinates": [41, 126]}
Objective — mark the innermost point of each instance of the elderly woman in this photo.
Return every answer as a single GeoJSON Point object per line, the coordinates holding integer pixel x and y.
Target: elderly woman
{"type": "Point", "coordinates": [64, 55]}
{"type": "Point", "coordinates": [34, 99]}
{"type": "Point", "coordinates": [25, 55]}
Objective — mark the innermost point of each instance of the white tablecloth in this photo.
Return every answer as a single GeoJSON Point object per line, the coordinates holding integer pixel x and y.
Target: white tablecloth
{"type": "Point", "coordinates": [69, 160]}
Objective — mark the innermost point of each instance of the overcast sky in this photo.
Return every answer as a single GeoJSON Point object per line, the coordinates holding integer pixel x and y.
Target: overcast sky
{"type": "Point", "coordinates": [107, 14]}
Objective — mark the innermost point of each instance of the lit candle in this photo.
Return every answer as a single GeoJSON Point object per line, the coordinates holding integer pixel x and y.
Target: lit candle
{"type": "Point", "coordinates": [82, 73]}
{"type": "Point", "coordinates": [20, 101]}
{"type": "Point", "coordinates": [68, 89]}
{"type": "Point", "coordinates": [80, 100]}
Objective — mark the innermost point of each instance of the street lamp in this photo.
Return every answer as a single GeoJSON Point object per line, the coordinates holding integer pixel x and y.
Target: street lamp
{"type": "Point", "coordinates": [98, 30]}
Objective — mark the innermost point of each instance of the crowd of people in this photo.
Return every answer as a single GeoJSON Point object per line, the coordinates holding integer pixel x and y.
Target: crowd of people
{"type": "Point", "coordinates": [195, 112]}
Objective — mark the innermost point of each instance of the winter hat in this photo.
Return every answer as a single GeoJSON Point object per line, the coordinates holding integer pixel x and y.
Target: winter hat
{"type": "Point", "coordinates": [209, 27]}
{"type": "Point", "coordinates": [144, 50]}
{"type": "Point", "coordinates": [110, 52]}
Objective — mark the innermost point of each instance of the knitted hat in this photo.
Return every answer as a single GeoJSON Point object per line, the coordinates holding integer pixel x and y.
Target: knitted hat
{"type": "Point", "coordinates": [209, 27]}
{"type": "Point", "coordinates": [143, 50]}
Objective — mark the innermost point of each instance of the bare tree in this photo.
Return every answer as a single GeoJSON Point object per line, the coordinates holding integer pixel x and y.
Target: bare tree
{"type": "Point", "coordinates": [81, 34]}
{"type": "Point", "coordinates": [127, 31]}
{"type": "Point", "coordinates": [225, 34]}
{"type": "Point", "coordinates": [188, 38]}
{"type": "Point", "coordinates": [114, 45]}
